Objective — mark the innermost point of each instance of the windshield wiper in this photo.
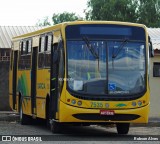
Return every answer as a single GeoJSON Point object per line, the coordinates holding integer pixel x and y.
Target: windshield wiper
{"type": "Point", "coordinates": [119, 48]}
{"type": "Point", "coordinates": [90, 47]}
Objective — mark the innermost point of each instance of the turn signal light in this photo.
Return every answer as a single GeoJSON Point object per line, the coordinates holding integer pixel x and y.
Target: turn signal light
{"type": "Point", "coordinates": [68, 100]}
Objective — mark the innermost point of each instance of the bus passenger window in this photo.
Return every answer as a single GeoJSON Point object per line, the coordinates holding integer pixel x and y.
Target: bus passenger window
{"type": "Point", "coordinates": [42, 44]}
{"type": "Point", "coordinates": [46, 43]}
{"type": "Point", "coordinates": [48, 50]}
{"type": "Point", "coordinates": [41, 52]}
{"type": "Point", "coordinates": [24, 47]}
{"type": "Point", "coordinates": [39, 45]}
{"type": "Point", "coordinates": [47, 59]}
{"type": "Point", "coordinates": [29, 46]}
{"type": "Point", "coordinates": [40, 60]}
{"type": "Point", "coordinates": [49, 43]}
{"type": "Point", "coordinates": [25, 56]}
{"type": "Point", "coordinates": [21, 49]}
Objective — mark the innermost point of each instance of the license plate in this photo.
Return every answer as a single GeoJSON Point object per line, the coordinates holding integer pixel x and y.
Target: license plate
{"type": "Point", "coordinates": [106, 112]}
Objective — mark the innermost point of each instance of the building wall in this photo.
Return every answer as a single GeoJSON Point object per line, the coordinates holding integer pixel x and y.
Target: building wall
{"type": "Point", "coordinates": [154, 89]}
{"type": "Point", "coordinates": [5, 54]}
{"type": "Point", "coordinates": [4, 86]}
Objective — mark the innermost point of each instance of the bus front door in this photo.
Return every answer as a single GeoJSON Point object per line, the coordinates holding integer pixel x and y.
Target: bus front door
{"type": "Point", "coordinates": [33, 80]}
{"type": "Point", "coordinates": [54, 82]}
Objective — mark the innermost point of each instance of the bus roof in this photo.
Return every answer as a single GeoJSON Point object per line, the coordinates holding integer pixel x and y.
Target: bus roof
{"type": "Point", "coordinates": [59, 26]}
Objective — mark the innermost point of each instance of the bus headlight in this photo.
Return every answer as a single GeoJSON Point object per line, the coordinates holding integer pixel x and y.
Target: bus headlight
{"type": "Point", "coordinates": [107, 105]}
{"type": "Point", "coordinates": [134, 104]}
{"type": "Point", "coordinates": [79, 103]}
{"type": "Point", "coordinates": [73, 102]}
{"type": "Point", "coordinates": [139, 103]}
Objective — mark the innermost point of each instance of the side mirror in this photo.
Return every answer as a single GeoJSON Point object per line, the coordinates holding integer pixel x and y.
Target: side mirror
{"type": "Point", "coordinates": [151, 50]}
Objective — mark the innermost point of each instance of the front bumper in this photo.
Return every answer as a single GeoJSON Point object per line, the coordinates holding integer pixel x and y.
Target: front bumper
{"type": "Point", "coordinates": [69, 113]}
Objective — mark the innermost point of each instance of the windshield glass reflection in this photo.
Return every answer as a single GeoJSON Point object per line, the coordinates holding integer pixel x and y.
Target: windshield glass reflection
{"type": "Point", "coordinates": [123, 74]}
{"type": "Point", "coordinates": [126, 72]}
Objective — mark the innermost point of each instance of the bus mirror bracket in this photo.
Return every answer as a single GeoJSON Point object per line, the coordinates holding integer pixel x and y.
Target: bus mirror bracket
{"type": "Point", "coordinates": [57, 44]}
{"type": "Point", "coordinates": [57, 47]}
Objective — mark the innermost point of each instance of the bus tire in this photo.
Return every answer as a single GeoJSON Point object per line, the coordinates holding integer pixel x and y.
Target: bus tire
{"type": "Point", "coordinates": [24, 119]}
{"type": "Point", "coordinates": [55, 127]}
{"type": "Point", "coordinates": [122, 128]}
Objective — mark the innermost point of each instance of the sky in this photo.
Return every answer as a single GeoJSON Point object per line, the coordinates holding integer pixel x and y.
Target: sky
{"type": "Point", "coordinates": [29, 12]}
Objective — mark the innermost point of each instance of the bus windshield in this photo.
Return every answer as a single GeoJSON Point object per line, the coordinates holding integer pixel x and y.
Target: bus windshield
{"type": "Point", "coordinates": [119, 68]}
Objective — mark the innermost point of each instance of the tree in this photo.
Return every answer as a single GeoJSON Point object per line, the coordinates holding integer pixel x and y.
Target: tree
{"type": "Point", "coordinates": [43, 22]}
{"type": "Point", "coordinates": [119, 10]}
{"type": "Point", "coordinates": [149, 12]}
{"type": "Point", "coordinates": [139, 11]}
{"type": "Point", "coordinates": [64, 17]}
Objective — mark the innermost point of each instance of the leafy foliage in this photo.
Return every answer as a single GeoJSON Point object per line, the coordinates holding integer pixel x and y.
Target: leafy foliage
{"type": "Point", "coordinates": [139, 11]}
{"type": "Point", "coordinates": [44, 22]}
{"type": "Point", "coordinates": [149, 12]}
{"type": "Point", "coordinates": [64, 17]}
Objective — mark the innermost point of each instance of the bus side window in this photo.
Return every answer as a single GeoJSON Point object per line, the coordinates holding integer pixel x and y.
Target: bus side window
{"type": "Point", "coordinates": [27, 43]}
{"type": "Point", "coordinates": [25, 55]}
{"type": "Point", "coordinates": [21, 53]}
{"type": "Point", "coordinates": [41, 52]}
{"type": "Point", "coordinates": [49, 44]}
{"type": "Point", "coordinates": [46, 43]}
{"type": "Point", "coordinates": [29, 46]}
{"type": "Point", "coordinates": [24, 47]}
{"type": "Point", "coordinates": [21, 48]}
{"type": "Point", "coordinates": [42, 44]}
{"type": "Point", "coordinates": [48, 50]}
{"type": "Point", "coordinates": [39, 45]}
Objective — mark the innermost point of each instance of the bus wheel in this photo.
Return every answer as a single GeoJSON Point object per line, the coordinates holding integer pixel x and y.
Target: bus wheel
{"type": "Point", "coordinates": [55, 127]}
{"type": "Point", "coordinates": [24, 119]}
{"type": "Point", "coordinates": [122, 128]}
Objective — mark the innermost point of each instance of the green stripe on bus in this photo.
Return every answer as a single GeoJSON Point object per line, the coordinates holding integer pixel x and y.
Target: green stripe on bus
{"type": "Point", "coordinates": [52, 89]}
{"type": "Point", "coordinates": [53, 78]}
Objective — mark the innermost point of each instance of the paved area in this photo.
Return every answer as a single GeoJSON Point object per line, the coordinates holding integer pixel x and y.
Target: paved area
{"type": "Point", "coordinates": [9, 125]}
{"type": "Point", "coordinates": [8, 116]}
{"type": "Point", "coordinates": [69, 134]}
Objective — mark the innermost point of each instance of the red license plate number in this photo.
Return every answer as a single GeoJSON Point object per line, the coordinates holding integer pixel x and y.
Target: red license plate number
{"type": "Point", "coordinates": [106, 112]}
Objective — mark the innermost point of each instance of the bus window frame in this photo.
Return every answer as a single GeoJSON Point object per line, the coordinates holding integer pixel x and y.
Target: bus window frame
{"type": "Point", "coordinates": [27, 45]}
{"type": "Point", "coordinates": [46, 48]}
{"type": "Point", "coordinates": [42, 38]}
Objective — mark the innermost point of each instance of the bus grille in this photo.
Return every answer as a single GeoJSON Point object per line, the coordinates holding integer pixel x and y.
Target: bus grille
{"type": "Point", "coordinates": [116, 117]}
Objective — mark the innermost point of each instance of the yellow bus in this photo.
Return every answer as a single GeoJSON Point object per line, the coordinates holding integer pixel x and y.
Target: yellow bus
{"type": "Point", "coordinates": [82, 73]}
